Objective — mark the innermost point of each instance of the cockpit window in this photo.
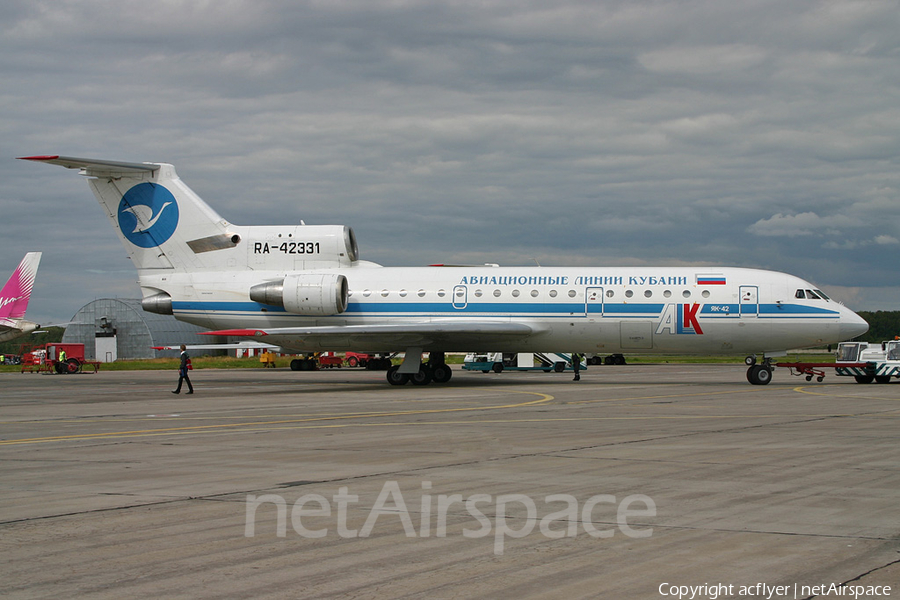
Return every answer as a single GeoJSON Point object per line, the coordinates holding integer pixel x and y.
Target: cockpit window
{"type": "Point", "coordinates": [800, 294]}
{"type": "Point", "coordinates": [822, 295]}
{"type": "Point", "coordinates": [811, 295]}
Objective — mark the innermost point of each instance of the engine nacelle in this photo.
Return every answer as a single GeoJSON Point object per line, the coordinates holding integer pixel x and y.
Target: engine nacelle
{"type": "Point", "coordinates": [300, 247]}
{"type": "Point", "coordinates": [160, 303]}
{"type": "Point", "coordinates": [310, 294]}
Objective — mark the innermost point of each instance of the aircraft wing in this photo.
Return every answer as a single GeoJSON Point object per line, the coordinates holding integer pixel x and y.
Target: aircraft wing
{"type": "Point", "coordinates": [464, 335]}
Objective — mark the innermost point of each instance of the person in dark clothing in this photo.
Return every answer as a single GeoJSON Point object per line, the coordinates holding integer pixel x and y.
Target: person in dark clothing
{"type": "Point", "coordinates": [576, 365]}
{"type": "Point", "coordinates": [183, 372]}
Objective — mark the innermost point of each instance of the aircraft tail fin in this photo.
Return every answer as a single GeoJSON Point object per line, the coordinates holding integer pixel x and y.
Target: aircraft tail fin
{"type": "Point", "coordinates": [15, 294]}
{"type": "Point", "coordinates": [161, 222]}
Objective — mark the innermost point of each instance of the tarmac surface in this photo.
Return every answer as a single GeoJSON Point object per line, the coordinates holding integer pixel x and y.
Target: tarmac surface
{"type": "Point", "coordinates": [333, 484]}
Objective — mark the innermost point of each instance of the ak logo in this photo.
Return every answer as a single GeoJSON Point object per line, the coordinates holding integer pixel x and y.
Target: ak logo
{"type": "Point", "coordinates": [148, 215]}
{"type": "Point", "coordinates": [680, 319]}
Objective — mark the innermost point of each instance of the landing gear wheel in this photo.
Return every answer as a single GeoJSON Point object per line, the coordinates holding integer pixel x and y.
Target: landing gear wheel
{"type": "Point", "coordinates": [395, 378]}
{"type": "Point", "coordinates": [441, 373]}
{"type": "Point", "coordinates": [759, 375]}
{"type": "Point", "coordinates": [750, 361]}
{"type": "Point", "coordinates": [423, 377]}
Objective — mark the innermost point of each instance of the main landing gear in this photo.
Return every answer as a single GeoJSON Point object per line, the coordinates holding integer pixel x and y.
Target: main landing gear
{"type": "Point", "coordinates": [758, 374]}
{"type": "Point", "coordinates": [435, 370]}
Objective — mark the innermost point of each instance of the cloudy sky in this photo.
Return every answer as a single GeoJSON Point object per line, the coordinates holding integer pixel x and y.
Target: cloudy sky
{"type": "Point", "coordinates": [610, 133]}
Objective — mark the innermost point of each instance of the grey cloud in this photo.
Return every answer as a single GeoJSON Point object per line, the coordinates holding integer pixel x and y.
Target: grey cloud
{"type": "Point", "coordinates": [757, 133]}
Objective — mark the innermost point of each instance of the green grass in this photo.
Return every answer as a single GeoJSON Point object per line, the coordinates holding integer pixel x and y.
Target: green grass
{"type": "Point", "coordinates": [163, 364]}
{"type": "Point", "coordinates": [227, 362]}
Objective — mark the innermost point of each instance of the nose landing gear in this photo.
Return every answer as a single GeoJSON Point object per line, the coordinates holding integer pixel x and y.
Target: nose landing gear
{"type": "Point", "coordinates": [758, 374]}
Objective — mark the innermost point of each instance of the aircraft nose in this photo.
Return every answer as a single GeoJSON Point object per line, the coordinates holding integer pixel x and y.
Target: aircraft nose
{"type": "Point", "coordinates": [852, 325]}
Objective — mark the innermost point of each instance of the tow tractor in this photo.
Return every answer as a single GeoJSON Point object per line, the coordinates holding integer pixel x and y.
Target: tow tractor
{"type": "Point", "coordinates": [863, 361]}
{"type": "Point", "coordinates": [869, 362]}
{"type": "Point", "coordinates": [523, 361]}
{"type": "Point", "coordinates": [49, 359]}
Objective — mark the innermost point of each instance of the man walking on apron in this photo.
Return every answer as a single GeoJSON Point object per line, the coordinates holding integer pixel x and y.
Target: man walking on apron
{"type": "Point", "coordinates": [183, 372]}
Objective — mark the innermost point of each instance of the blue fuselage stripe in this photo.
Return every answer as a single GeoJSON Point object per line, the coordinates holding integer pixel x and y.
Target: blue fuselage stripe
{"type": "Point", "coordinates": [537, 309]}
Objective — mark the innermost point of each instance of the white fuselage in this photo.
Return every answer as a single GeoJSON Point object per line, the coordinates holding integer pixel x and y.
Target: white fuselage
{"type": "Point", "coordinates": [599, 310]}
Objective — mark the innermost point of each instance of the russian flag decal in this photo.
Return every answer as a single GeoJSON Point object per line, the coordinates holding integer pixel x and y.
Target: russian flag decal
{"type": "Point", "coordinates": [710, 280]}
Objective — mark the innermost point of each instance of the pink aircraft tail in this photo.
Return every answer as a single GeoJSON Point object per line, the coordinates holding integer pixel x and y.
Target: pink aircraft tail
{"type": "Point", "coordinates": [15, 294]}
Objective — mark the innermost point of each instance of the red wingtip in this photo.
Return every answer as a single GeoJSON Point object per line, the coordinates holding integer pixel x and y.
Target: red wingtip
{"type": "Point", "coordinates": [48, 157]}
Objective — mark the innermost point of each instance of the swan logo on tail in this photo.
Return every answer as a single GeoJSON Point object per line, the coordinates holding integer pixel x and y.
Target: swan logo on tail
{"type": "Point", "coordinates": [144, 214]}
{"type": "Point", "coordinates": [148, 215]}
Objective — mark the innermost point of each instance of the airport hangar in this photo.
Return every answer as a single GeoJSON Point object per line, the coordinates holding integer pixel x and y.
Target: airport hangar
{"type": "Point", "coordinates": [118, 328]}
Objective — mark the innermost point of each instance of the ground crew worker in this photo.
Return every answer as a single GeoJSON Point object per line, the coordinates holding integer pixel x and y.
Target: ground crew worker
{"type": "Point", "coordinates": [576, 365]}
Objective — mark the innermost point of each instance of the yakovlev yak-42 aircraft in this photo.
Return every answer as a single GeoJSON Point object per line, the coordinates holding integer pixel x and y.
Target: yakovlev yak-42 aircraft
{"type": "Point", "coordinates": [304, 288]}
